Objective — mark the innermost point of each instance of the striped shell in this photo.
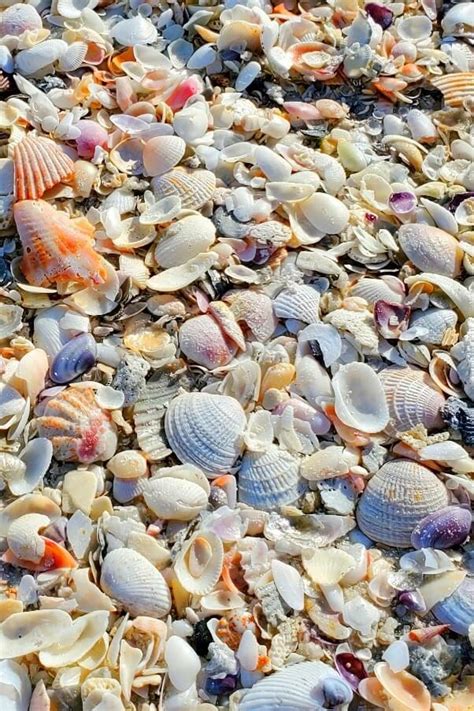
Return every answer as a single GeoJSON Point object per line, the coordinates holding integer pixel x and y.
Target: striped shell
{"type": "Point", "coordinates": [162, 153]}
{"type": "Point", "coordinates": [373, 290]}
{"type": "Point", "coordinates": [269, 479]}
{"type": "Point", "coordinates": [299, 301]}
{"type": "Point", "coordinates": [396, 499]}
{"type": "Point", "coordinates": [413, 399]}
{"type": "Point", "coordinates": [56, 248]}
{"type": "Point", "coordinates": [148, 417]}
{"type": "Point", "coordinates": [431, 249]}
{"type": "Point", "coordinates": [456, 88]}
{"type": "Point", "coordinates": [193, 187]}
{"type": "Point", "coordinates": [205, 430]}
{"type": "Point", "coordinates": [457, 610]}
{"type": "Point", "coordinates": [436, 322]}
{"type": "Point", "coordinates": [135, 583]}
{"type": "Point", "coordinates": [199, 564]}
{"type": "Point", "coordinates": [184, 240]}
{"type": "Point", "coordinates": [39, 165]}
{"type": "Point", "coordinates": [78, 428]}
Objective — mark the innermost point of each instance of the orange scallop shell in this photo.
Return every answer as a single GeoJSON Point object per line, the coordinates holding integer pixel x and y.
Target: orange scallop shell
{"type": "Point", "coordinates": [55, 247]}
{"type": "Point", "coordinates": [39, 165]}
{"type": "Point", "coordinates": [456, 88]}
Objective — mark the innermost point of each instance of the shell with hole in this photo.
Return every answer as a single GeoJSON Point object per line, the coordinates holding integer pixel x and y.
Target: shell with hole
{"type": "Point", "coordinates": [413, 399]}
{"type": "Point", "coordinates": [269, 479]}
{"type": "Point", "coordinates": [198, 565]}
{"type": "Point", "coordinates": [39, 165]}
{"type": "Point", "coordinates": [431, 249]}
{"type": "Point", "coordinates": [396, 499]}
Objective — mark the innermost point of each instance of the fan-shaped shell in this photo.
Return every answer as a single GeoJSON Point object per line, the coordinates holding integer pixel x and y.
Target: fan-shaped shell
{"type": "Point", "coordinates": [19, 18]}
{"type": "Point", "coordinates": [193, 187]}
{"type": "Point", "coordinates": [373, 290]}
{"type": "Point", "coordinates": [413, 399]}
{"type": "Point", "coordinates": [457, 610]}
{"type": "Point", "coordinates": [206, 430]}
{"type": "Point", "coordinates": [202, 341]}
{"type": "Point", "coordinates": [162, 153]}
{"type": "Point", "coordinates": [431, 249]}
{"type": "Point", "coordinates": [456, 88]}
{"type": "Point", "coordinates": [199, 564]}
{"type": "Point", "coordinates": [360, 398]}
{"type": "Point", "coordinates": [435, 322]}
{"type": "Point", "coordinates": [184, 240]}
{"type": "Point", "coordinates": [28, 504]}
{"type": "Point", "coordinates": [135, 583]}
{"type": "Point", "coordinates": [177, 499]}
{"type": "Point", "coordinates": [78, 428]}
{"type": "Point", "coordinates": [269, 479]}
{"type": "Point", "coordinates": [396, 499]}
{"type": "Point", "coordinates": [29, 632]}
{"type": "Point", "coordinates": [133, 31]}
{"type": "Point", "coordinates": [39, 165]}
{"type": "Point", "coordinates": [299, 301]}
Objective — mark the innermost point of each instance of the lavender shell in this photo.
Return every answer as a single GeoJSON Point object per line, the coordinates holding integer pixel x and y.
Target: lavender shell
{"type": "Point", "coordinates": [74, 359]}
{"type": "Point", "coordinates": [442, 529]}
{"type": "Point", "coordinates": [457, 610]}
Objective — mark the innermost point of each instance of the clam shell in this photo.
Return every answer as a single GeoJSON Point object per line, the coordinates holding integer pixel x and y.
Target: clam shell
{"type": "Point", "coordinates": [360, 398]}
{"type": "Point", "coordinates": [457, 610]}
{"type": "Point", "coordinates": [135, 583]}
{"type": "Point", "coordinates": [456, 88]}
{"type": "Point", "coordinates": [177, 278]}
{"type": "Point", "coordinates": [75, 358]}
{"type": "Point", "coordinates": [133, 31]}
{"type": "Point", "coordinates": [10, 319]}
{"type": "Point", "coordinates": [396, 499]}
{"type": "Point", "coordinates": [194, 188]}
{"type": "Point", "coordinates": [463, 353]}
{"type": "Point", "coordinates": [15, 687]}
{"type": "Point", "coordinates": [373, 290]}
{"type": "Point", "coordinates": [412, 398]}
{"type": "Point", "coordinates": [19, 18]}
{"type": "Point", "coordinates": [269, 479]}
{"type": "Point", "coordinates": [442, 529]}
{"type": "Point", "coordinates": [431, 249]}
{"type": "Point", "coordinates": [326, 213]}
{"type": "Point", "coordinates": [184, 240]}
{"type": "Point", "coordinates": [30, 632]}
{"type": "Point", "coordinates": [203, 341]}
{"type": "Point", "coordinates": [39, 165]}
{"type": "Point", "coordinates": [435, 323]}
{"type": "Point", "coordinates": [206, 430]}
{"type": "Point", "coordinates": [162, 153]}
{"type": "Point", "coordinates": [31, 61]}
{"type": "Point", "coordinates": [458, 20]}
{"type": "Point", "coordinates": [23, 539]}
{"type": "Point", "coordinates": [177, 499]}
{"type": "Point", "coordinates": [198, 565]}
{"type": "Point", "coordinates": [299, 301]}
{"type": "Point", "coordinates": [28, 504]}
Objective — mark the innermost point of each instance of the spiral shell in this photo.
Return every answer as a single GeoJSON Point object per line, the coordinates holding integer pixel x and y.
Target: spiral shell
{"type": "Point", "coordinates": [269, 479]}
{"type": "Point", "coordinates": [194, 188]}
{"type": "Point", "coordinates": [199, 564]}
{"type": "Point", "coordinates": [205, 430]}
{"type": "Point", "coordinates": [184, 240]}
{"type": "Point", "coordinates": [131, 579]}
{"type": "Point", "coordinates": [39, 165]}
{"type": "Point", "coordinates": [396, 499]}
{"type": "Point", "coordinates": [162, 153]}
{"type": "Point", "coordinates": [412, 398]}
{"type": "Point", "coordinates": [431, 249]}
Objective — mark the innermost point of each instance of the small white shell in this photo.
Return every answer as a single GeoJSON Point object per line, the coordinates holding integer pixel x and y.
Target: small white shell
{"type": "Point", "coordinates": [15, 686]}
{"type": "Point", "coordinates": [76, 642]}
{"type": "Point", "coordinates": [32, 60]}
{"type": "Point", "coordinates": [326, 213]}
{"type": "Point", "coordinates": [271, 164]}
{"type": "Point", "coordinates": [183, 663]}
{"type": "Point", "coordinates": [289, 584]}
{"type": "Point", "coordinates": [184, 240]}
{"type": "Point", "coordinates": [133, 31]}
{"type": "Point", "coordinates": [128, 464]}
{"type": "Point", "coordinates": [269, 479]}
{"type": "Point", "coordinates": [360, 399]}
{"type": "Point", "coordinates": [298, 301]}
{"type": "Point", "coordinates": [327, 566]}
{"type": "Point", "coordinates": [177, 278]}
{"type": "Point", "coordinates": [162, 153]}
{"type": "Point", "coordinates": [176, 499]}
{"type": "Point", "coordinates": [198, 566]}
{"type": "Point", "coordinates": [37, 457]}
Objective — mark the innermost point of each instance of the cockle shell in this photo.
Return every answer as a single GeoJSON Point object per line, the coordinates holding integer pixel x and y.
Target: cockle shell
{"type": "Point", "coordinates": [177, 499]}
{"type": "Point", "coordinates": [396, 499]}
{"type": "Point", "coordinates": [133, 31]}
{"type": "Point", "coordinates": [373, 290]}
{"type": "Point", "coordinates": [205, 430]}
{"type": "Point", "coordinates": [456, 88]}
{"type": "Point", "coordinates": [194, 188]}
{"type": "Point", "coordinates": [28, 504]}
{"type": "Point", "coordinates": [431, 249]}
{"type": "Point", "coordinates": [412, 398]}
{"type": "Point", "coordinates": [463, 353]}
{"type": "Point", "coordinates": [30, 632]}
{"type": "Point", "coordinates": [75, 358]}
{"type": "Point", "coordinates": [198, 565]}
{"type": "Point", "coordinates": [19, 18]}
{"type": "Point", "coordinates": [299, 687]}
{"type": "Point", "coordinates": [135, 583]}
{"type": "Point", "coordinates": [269, 479]}
{"type": "Point", "coordinates": [298, 301]}
{"type": "Point", "coordinates": [35, 59]}
{"type": "Point", "coordinates": [360, 399]}
{"type": "Point", "coordinates": [203, 341]}
{"type": "Point", "coordinates": [78, 428]}
{"type": "Point", "coordinates": [433, 324]}
{"type": "Point", "coordinates": [184, 240]}
{"type": "Point", "coordinates": [39, 165]}
{"type": "Point", "coordinates": [457, 610]}
{"type": "Point", "coordinates": [56, 248]}
{"type": "Point", "coordinates": [162, 153]}
{"type": "Point", "coordinates": [442, 529]}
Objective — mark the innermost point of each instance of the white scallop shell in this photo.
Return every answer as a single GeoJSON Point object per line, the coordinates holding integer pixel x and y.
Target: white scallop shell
{"type": "Point", "coordinates": [73, 57]}
{"type": "Point", "coordinates": [327, 566]}
{"type": "Point", "coordinates": [433, 324]}
{"type": "Point", "coordinates": [76, 642]}
{"type": "Point", "coordinates": [193, 187]}
{"type": "Point", "coordinates": [162, 153]}
{"type": "Point", "coordinates": [30, 632]}
{"type": "Point", "coordinates": [177, 499]}
{"type": "Point", "coordinates": [206, 430]}
{"type": "Point", "coordinates": [396, 499]}
{"type": "Point", "coordinates": [360, 399]}
{"type": "Point", "coordinates": [198, 565]}
{"type": "Point", "coordinates": [269, 479]}
{"type": "Point", "coordinates": [413, 399]}
{"type": "Point", "coordinates": [23, 539]}
{"type": "Point", "coordinates": [184, 240]}
{"type": "Point", "coordinates": [133, 31]}
{"type": "Point", "coordinates": [298, 301]}
{"type": "Point", "coordinates": [326, 337]}
{"type": "Point", "coordinates": [131, 579]}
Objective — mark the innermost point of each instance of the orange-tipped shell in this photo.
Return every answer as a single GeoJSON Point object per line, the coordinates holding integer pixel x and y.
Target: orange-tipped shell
{"type": "Point", "coordinates": [54, 556]}
{"type": "Point", "coordinates": [39, 165]}
{"type": "Point", "coordinates": [456, 88]}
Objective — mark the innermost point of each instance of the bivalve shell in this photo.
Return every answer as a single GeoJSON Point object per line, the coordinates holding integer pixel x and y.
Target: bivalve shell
{"type": "Point", "coordinates": [457, 610]}
{"type": "Point", "coordinates": [434, 324]}
{"type": "Point", "coordinates": [162, 153]}
{"type": "Point", "coordinates": [184, 240]}
{"type": "Point", "coordinates": [431, 249]}
{"type": "Point", "coordinates": [456, 88]}
{"type": "Point", "coordinates": [413, 399]}
{"type": "Point", "coordinates": [199, 564]}
{"type": "Point", "coordinates": [133, 31]}
{"type": "Point", "coordinates": [39, 165]}
{"type": "Point", "coordinates": [176, 499]}
{"type": "Point", "coordinates": [326, 213]}
{"type": "Point", "coordinates": [269, 479]}
{"type": "Point", "coordinates": [360, 398]}
{"type": "Point", "coordinates": [194, 188]}
{"type": "Point", "coordinates": [442, 529]}
{"type": "Point", "coordinates": [30, 632]}
{"type": "Point", "coordinates": [298, 301]}
{"type": "Point", "coordinates": [19, 18]}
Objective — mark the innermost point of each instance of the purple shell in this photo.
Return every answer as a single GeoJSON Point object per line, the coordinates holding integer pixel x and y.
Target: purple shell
{"type": "Point", "coordinates": [350, 668]}
{"type": "Point", "coordinates": [457, 610]}
{"type": "Point", "coordinates": [380, 14]}
{"type": "Point", "coordinates": [390, 318]}
{"type": "Point", "coordinates": [402, 203]}
{"type": "Point", "coordinates": [457, 200]}
{"type": "Point", "coordinates": [74, 359]}
{"type": "Point", "coordinates": [444, 528]}
{"type": "Point", "coordinates": [412, 600]}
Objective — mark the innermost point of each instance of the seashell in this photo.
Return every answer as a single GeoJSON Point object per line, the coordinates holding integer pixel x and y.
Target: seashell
{"type": "Point", "coordinates": [400, 495]}
{"type": "Point", "coordinates": [28, 504]}
{"type": "Point", "coordinates": [414, 28]}
{"type": "Point", "coordinates": [91, 135]}
{"type": "Point", "coordinates": [456, 88]}
{"type": "Point", "coordinates": [203, 342]}
{"type": "Point", "coordinates": [193, 187]}
{"type": "Point", "coordinates": [412, 399]}
{"type": "Point", "coordinates": [458, 293]}
{"type": "Point", "coordinates": [184, 240]}
{"type": "Point", "coordinates": [459, 416]}
{"type": "Point", "coordinates": [162, 153]}
{"type": "Point", "coordinates": [125, 490]}
{"type": "Point", "coordinates": [134, 31]}
{"type": "Point", "coordinates": [75, 358]}
{"type": "Point", "coordinates": [433, 325]}
{"type": "Point", "coordinates": [35, 59]}
{"type": "Point", "coordinates": [398, 689]}
{"type": "Point", "coordinates": [431, 249]}
{"type": "Point", "coordinates": [458, 20]}
{"type": "Point", "coordinates": [10, 319]}
{"type": "Point", "coordinates": [444, 528]}
{"type": "Point", "coordinates": [273, 166]}
{"type": "Point", "coordinates": [289, 584]}
{"type": "Point", "coordinates": [73, 57]}
{"type": "Point", "coordinates": [373, 290]}
{"type": "Point", "coordinates": [326, 213]}
{"type": "Point", "coordinates": [255, 310]}
{"type": "Point", "coordinates": [303, 686]}
{"type": "Point", "coordinates": [23, 539]}
{"type": "Point", "coordinates": [56, 248]}
{"type": "Point", "coordinates": [191, 123]}
{"type": "Point", "coordinates": [78, 428]}
{"type": "Point", "coordinates": [30, 632]}
{"type": "Point", "coordinates": [327, 566]}
{"type": "Point", "coordinates": [457, 610]}
{"type": "Point", "coordinates": [135, 583]}
{"type": "Point", "coordinates": [298, 301]}
{"type": "Point", "coordinates": [464, 212]}
{"type": "Point", "coordinates": [442, 217]}
{"type": "Point", "coordinates": [19, 18]}
{"type": "Point", "coordinates": [16, 686]}
{"type": "Point", "coordinates": [360, 399]}
{"type": "Point", "coordinates": [463, 353]}
{"type": "Point", "coordinates": [391, 319]}
{"type": "Point", "coordinates": [269, 479]}
{"type": "Point", "coordinates": [198, 565]}
{"type": "Point", "coordinates": [73, 9]}
{"type": "Point", "coordinates": [176, 499]}
{"type": "Point", "coordinates": [36, 457]}
{"type": "Point", "coordinates": [76, 642]}
{"type": "Point", "coordinates": [288, 191]}
{"type": "Point", "coordinates": [205, 430]}
{"type": "Point", "coordinates": [183, 663]}
{"type": "Point", "coordinates": [177, 278]}
{"type": "Point", "coordinates": [39, 165]}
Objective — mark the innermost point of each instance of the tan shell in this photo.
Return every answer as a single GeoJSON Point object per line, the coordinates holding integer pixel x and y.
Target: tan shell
{"type": "Point", "coordinates": [194, 188]}
{"type": "Point", "coordinates": [413, 399]}
{"type": "Point", "coordinates": [199, 564]}
{"type": "Point", "coordinates": [162, 153]}
{"type": "Point", "coordinates": [184, 240]}
{"type": "Point", "coordinates": [40, 164]}
{"type": "Point", "coordinates": [28, 632]}
{"type": "Point", "coordinates": [431, 249]}
{"type": "Point", "coordinates": [177, 499]}
{"type": "Point", "coordinates": [456, 88]}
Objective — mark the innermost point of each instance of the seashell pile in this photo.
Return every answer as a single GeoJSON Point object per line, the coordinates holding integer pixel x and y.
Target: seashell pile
{"type": "Point", "coordinates": [236, 355]}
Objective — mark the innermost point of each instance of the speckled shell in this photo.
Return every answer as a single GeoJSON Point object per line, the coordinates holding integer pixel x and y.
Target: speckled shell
{"type": "Point", "coordinates": [456, 88]}
{"type": "Point", "coordinates": [184, 240]}
{"type": "Point", "coordinates": [441, 529]}
{"type": "Point", "coordinates": [269, 479]}
{"type": "Point", "coordinates": [135, 583]}
{"type": "Point", "coordinates": [207, 561]}
{"type": "Point", "coordinates": [299, 687]}
{"type": "Point", "coordinates": [457, 610]}
{"type": "Point", "coordinates": [436, 322]}
{"type": "Point", "coordinates": [206, 430]}
{"type": "Point", "coordinates": [412, 399]}
{"type": "Point", "coordinates": [39, 165]}
{"type": "Point", "coordinates": [431, 249]}
{"type": "Point", "coordinates": [299, 301]}
{"type": "Point", "coordinates": [202, 341]}
{"type": "Point", "coordinates": [396, 499]}
{"type": "Point", "coordinates": [176, 499]}
{"type": "Point", "coordinates": [78, 428]}
{"type": "Point", "coordinates": [194, 188]}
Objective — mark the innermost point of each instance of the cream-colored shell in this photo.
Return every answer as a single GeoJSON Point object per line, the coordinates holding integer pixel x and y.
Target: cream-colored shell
{"type": "Point", "coordinates": [194, 188]}
{"type": "Point", "coordinates": [199, 564]}
{"type": "Point", "coordinates": [73, 645]}
{"type": "Point", "coordinates": [184, 240]}
{"type": "Point", "coordinates": [413, 399]}
{"type": "Point", "coordinates": [176, 499]}
{"type": "Point", "coordinates": [360, 398]}
{"type": "Point", "coordinates": [431, 249]}
{"type": "Point", "coordinates": [23, 539]}
{"type": "Point", "coordinates": [128, 464]}
{"type": "Point", "coordinates": [30, 632]}
{"type": "Point", "coordinates": [327, 566]}
{"type": "Point", "coordinates": [28, 504]}
{"type": "Point", "coordinates": [162, 153]}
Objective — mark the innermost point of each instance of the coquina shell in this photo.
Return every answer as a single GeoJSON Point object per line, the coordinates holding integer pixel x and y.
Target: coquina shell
{"type": "Point", "coordinates": [194, 188]}
{"type": "Point", "coordinates": [199, 564]}
{"type": "Point", "coordinates": [39, 165]}
{"type": "Point", "coordinates": [457, 610]}
{"type": "Point", "coordinates": [360, 399]}
{"type": "Point", "coordinates": [396, 499]}
{"type": "Point", "coordinates": [431, 249]}
{"type": "Point", "coordinates": [412, 398]}
{"type": "Point", "coordinates": [206, 430]}
{"type": "Point", "coordinates": [184, 240]}
{"type": "Point", "coordinates": [177, 499]}
{"type": "Point", "coordinates": [135, 583]}
{"type": "Point", "coordinates": [299, 687]}
{"type": "Point", "coordinates": [162, 153]}
{"type": "Point", "coordinates": [269, 479]}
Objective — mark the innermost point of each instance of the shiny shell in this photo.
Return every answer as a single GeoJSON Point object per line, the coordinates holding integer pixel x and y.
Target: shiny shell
{"type": "Point", "coordinates": [198, 565]}
{"type": "Point", "coordinates": [412, 398]}
{"type": "Point", "coordinates": [74, 359]}
{"type": "Point", "coordinates": [269, 479]}
{"type": "Point", "coordinates": [194, 188]}
{"type": "Point", "coordinates": [396, 499]}
{"type": "Point", "coordinates": [442, 529]}
{"type": "Point", "coordinates": [162, 153]}
{"type": "Point", "coordinates": [360, 399]}
{"type": "Point", "coordinates": [431, 249]}
{"type": "Point", "coordinates": [177, 499]}
{"type": "Point", "coordinates": [39, 165]}
{"type": "Point", "coordinates": [184, 240]}
{"type": "Point", "coordinates": [203, 341]}
{"type": "Point", "coordinates": [326, 213]}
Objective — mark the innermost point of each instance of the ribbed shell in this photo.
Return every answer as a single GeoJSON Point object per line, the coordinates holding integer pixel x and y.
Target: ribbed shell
{"type": "Point", "coordinates": [148, 416]}
{"type": "Point", "coordinates": [39, 165]}
{"type": "Point", "coordinates": [300, 302]}
{"type": "Point", "coordinates": [457, 610]}
{"type": "Point", "coordinates": [412, 398]}
{"type": "Point", "coordinates": [456, 88]}
{"type": "Point", "coordinates": [162, 153]}
{"type": "Point", "coordinates": [203, 341]}
{"type": "Point", "coordinates": [269, 479]}
{"type": "Point", "coordinates": [135, 583]}
{"type": "Point", "coordinates": [19, 18]}
{"type": "Point", "coordinates": [396, 499]}
{"type": "Point", "coordinates": [176, 499]}
{"type": "Point", "coordinates": [295, 688]}
{"type": "Point", "coordinates": [184, 240]}
{"type": "Point", "coordinates": [463, 352]}
{"type": "Point", "coordinates": [436, 322]}
{"type": "Point", "coordinates": [373, 290]}
{"type": "Point", "coordinates": [125, 490]}
{"type": "Point", "coordinates": [205, 550]}
{"type": "Point", "coordinates": [194, 188]}
{"type": "Point", "coordinates": [431, 249]}
{"type": "Point", "coordinates": [206, 430]}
